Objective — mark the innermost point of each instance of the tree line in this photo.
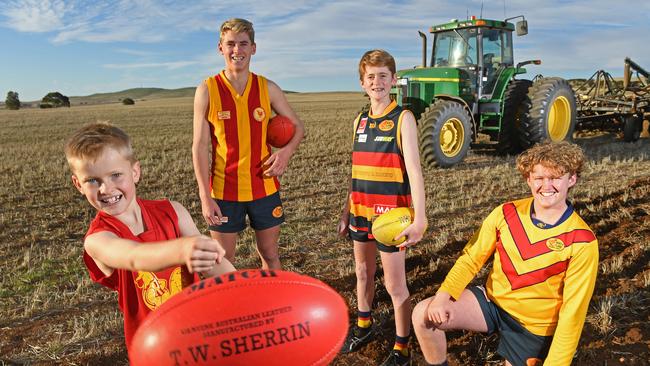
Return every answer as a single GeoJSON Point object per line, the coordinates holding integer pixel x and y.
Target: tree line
{"type": "Point", "coordinates": [51, 100]}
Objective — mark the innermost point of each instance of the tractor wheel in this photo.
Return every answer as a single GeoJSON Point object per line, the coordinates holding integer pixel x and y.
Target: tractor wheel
{"type": "Point", "coordinates": [632, 128]}
{"type": "Point", "coordinates": [445, 131]}
{"type": "Point", "coordinates": [514, 109]}
{"type": "Point", "coordinates": [551, 112]}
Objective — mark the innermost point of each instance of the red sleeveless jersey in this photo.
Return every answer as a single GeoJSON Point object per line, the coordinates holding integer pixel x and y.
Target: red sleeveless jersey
{"type": "Point", "coordinates": [139, 292]}
{"type": "Point", "coordinates": [238, 125]}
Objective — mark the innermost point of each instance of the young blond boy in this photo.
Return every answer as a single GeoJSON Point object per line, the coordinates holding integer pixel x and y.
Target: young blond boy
{"type": "Point", "coordinates": [231, 114]}
{"type": "Point", "coordinates": [543, 274]}
{"type": "Point", "coordinates": [145, 250]}
{"type": "Point", "coordinates": [386, 174]}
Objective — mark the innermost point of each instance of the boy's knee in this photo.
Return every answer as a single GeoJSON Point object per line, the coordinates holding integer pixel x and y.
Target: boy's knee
{"type": "Point", "coordinates": [418, 315]}
{"type": "Point", "coordinates": [397, 291]}
{"type": "Point", "coordinates": [363, 272]}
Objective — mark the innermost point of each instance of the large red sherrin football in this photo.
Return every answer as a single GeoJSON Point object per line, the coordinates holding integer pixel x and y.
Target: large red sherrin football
{"type": "Point", "coordinates": [279, 131]}
{"type": "Point", "coordinates": [248, 317]}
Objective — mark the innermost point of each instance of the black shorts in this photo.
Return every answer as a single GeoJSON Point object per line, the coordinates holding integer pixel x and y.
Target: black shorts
{"type": "Point", "coordinates": [362, 236]}
{"type": "Point", "coordinates": [516, 343]}
{"type": "Point", "coordinates": [263, 213]}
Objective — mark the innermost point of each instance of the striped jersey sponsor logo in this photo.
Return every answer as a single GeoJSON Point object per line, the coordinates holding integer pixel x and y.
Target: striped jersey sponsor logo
{"type": "Point", "coordinates": [386, 125]}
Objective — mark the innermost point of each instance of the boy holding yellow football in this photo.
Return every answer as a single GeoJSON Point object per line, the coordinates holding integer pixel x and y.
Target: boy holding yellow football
{"type": "Point", "coordinates": [543, 273]}
{"type": "Point", "coordinates": [145, 250]}
{"type": "Point", "coordinates": [386, 174]}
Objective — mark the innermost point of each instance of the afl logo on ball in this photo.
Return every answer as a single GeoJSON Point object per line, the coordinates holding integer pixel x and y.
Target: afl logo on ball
{"type": "Point", "coordinates": [386, 125]}
{"type": "Point", "coordinates": [555, 244]}
{"type": "Point", "coordinates": [259, 114]}
{"type": "Point", "coordinates": [277, 212]}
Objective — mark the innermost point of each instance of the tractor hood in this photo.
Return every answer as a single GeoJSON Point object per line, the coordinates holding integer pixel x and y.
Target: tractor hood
{"type": "Point", "coordinates": [431, 74]}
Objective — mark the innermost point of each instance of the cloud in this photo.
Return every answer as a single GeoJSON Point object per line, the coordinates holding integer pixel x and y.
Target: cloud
{"type": "Point", "coordinates": [34, 15]}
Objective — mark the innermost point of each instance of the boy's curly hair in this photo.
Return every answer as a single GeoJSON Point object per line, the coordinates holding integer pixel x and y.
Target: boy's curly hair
{"type": "Point", "coordinates": [561, 157]}
{"type": "Point", "coordinates": [90, 141]}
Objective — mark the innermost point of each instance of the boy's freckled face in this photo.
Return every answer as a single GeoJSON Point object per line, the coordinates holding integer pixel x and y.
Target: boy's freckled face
{"type": "Point", "coordinates": [108, 183]}
{"type": "Point", "coordinates": [377, 81]}
{"type": "Point", "coordinates": [236, 49]}
{"type": "Point", "coordinates": [548, 189]}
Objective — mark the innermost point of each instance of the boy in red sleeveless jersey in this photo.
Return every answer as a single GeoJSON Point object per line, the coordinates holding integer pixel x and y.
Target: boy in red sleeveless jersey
{"type": "Point", "coordinates": [231, 113]}
{"type": "Point", "coordinates": [386, 174]}
{"type": "Point", "coordinates": [543, 273]}
{"type": "Point", "coordinates": [145, 250]}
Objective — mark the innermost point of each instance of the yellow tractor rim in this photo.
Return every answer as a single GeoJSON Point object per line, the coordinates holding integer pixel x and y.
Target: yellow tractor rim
{"type": "Point", "coordinates": [452, 137]}
{"type": "Point", "coordinates": [559, 119]}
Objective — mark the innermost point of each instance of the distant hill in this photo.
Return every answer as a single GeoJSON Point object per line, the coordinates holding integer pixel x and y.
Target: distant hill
{"type": "Point", "coordinates": [135, 94]}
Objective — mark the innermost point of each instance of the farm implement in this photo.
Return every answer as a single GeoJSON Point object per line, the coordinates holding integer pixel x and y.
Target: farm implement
{"type": "Point", "coordinates": [609, 105]}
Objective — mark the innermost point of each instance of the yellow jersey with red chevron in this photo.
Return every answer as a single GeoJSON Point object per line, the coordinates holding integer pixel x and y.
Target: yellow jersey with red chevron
{"type": "Point", "coordinates": [238, 126]}
{"type": "Point", "coordinates": [379, 179]}
{"type": "Point", "coordinates": [542, 277]}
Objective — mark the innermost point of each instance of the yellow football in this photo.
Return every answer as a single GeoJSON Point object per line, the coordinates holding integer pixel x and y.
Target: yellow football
{"type": "Point", "coordinates": [389, 224]}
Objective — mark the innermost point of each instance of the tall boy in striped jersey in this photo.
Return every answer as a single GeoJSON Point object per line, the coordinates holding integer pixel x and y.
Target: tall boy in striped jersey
{"type": "Point", "coordinates": [543, 274]}
{"type": "Point", "coordinates": [386, 174]}
{"type": "Point", "coordinates": [231, 114]}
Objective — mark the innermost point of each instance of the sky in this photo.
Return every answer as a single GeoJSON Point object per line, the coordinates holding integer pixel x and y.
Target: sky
{"type": "Point", "coordinates": [85, 47]}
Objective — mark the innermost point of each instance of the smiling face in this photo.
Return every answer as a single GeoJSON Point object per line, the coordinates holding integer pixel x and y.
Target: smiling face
{"type": "Point", "coordinates": [549, 188]}
{"type": "Point", "coordinates": [108, 182]}
{"type": "Point", "coordinates": [237, 49]}
{"type": "Point", "coordinates": [377, 81]}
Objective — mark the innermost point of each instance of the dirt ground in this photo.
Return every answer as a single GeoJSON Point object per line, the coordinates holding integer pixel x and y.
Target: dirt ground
{"type": "Point", "coordinates": [50, 312]}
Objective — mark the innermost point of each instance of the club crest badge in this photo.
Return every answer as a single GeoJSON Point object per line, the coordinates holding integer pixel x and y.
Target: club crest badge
{"type": "Point", "coordinates": [555, 244]}
{"type": "Point", "coordinates": [259, 114]}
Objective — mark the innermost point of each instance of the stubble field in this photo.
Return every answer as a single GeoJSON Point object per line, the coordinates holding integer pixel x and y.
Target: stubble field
{"type": "Point", "coordinates": [51, 313]}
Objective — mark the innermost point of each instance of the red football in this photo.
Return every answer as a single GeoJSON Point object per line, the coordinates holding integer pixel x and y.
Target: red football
{"type": "Point", "coordinates": [249, 317]}
{"type": "Point", "coordinates": [279, 131]}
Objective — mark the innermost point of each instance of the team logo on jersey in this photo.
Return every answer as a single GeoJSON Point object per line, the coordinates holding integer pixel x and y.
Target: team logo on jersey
{"type": "Point", "coordinates": [380, 209]}
{"type": "Point", "coordinates": [372, 125]}
{"type": "Point", "coordinates": [259, 113]}
{"type": "Point", "coordinates": [277, 212]}
{"type": "Point", "coordinates": [223, 114]}
{"type": "Point", "coordinates": [362, 125]}
{"type": "Point", "coordinates": [362, 138]}
{"type": "Point", "coordinates": [384, 138]}
{"type": "Point", "coordinates": [555, 244]}
{"type": "Point", "coordinates": [387, 125]}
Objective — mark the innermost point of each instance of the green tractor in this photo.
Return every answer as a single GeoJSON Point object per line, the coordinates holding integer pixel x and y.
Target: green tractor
{"type": "Point", "coordinates": [469, 94]}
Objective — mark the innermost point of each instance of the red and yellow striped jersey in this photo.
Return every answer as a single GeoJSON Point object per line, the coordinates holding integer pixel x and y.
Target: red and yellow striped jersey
{"type": "Point", "coordinates": [238, 126]}
{"type": "Point", "coordinates": [542, 277]}
{"type": "Point", "coordinates": [379, 178]}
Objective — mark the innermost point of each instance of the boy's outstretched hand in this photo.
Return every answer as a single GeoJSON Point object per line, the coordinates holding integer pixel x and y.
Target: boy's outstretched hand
{"type": "Point", "coordinates": [201, 253]}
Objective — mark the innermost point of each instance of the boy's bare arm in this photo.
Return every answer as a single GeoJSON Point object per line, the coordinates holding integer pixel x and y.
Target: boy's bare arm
{"type": "Point", "coordinates": [111, 252]}
{"type": "Point", "coordinates": [200, 156]}
{"type": "Point", "coordinates": [408, 130]}
{"type": "Point", "coordinates": [279, 160]}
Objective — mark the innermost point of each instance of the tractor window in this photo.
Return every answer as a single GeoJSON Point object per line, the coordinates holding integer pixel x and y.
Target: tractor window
{"type": "Point", "coordinates": [497, 55]}
{"type": "Point", "coordinates": [455, 48]}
